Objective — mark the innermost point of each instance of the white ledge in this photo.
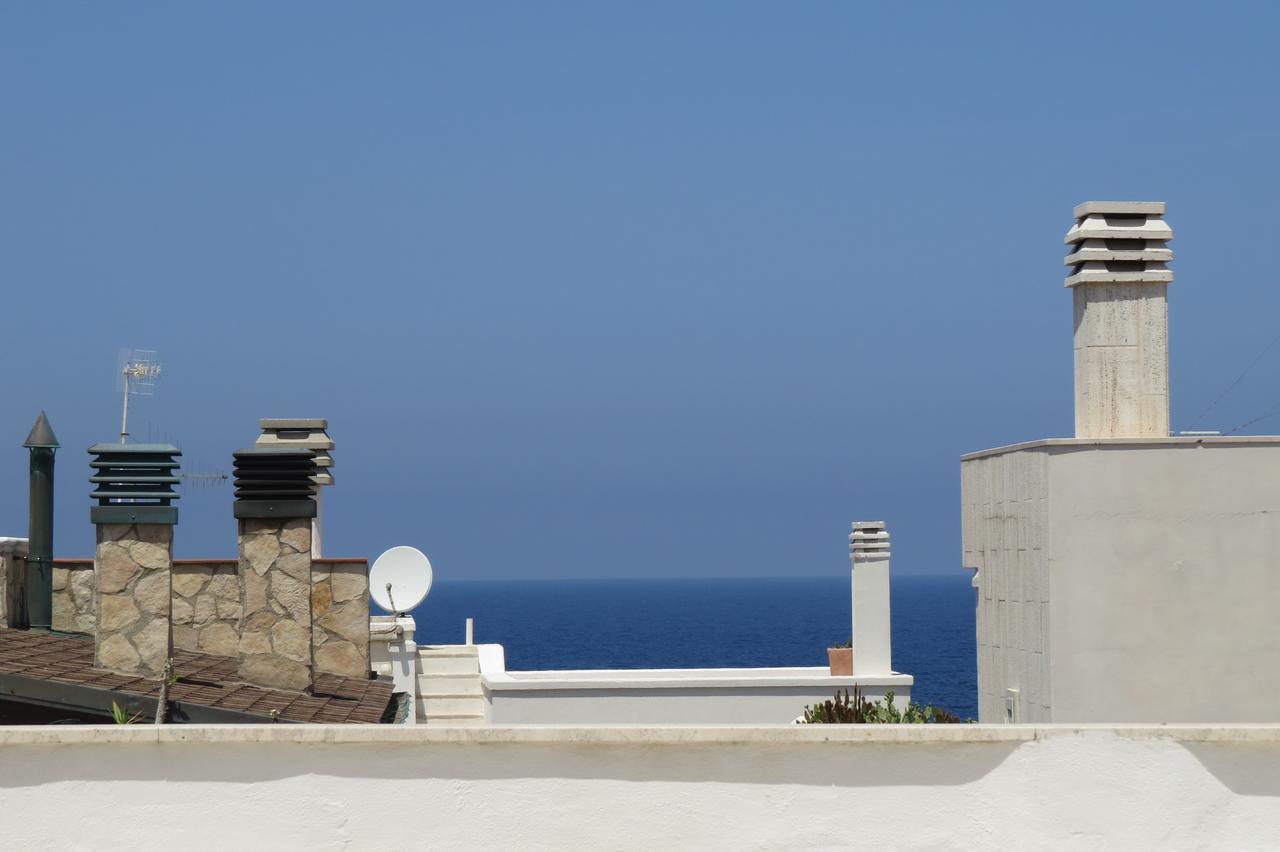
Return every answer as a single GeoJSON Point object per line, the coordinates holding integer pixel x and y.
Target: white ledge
{"type": "Point", "coordinates": [636, 679]}
{"type": "Point", "coordinates": [1088, 443]}
{"type": "Point", "coordinates": [614, 735]}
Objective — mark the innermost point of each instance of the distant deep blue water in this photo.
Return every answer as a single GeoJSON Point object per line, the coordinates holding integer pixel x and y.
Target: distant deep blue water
{"type": "Point", "coordinates": [605, 624]}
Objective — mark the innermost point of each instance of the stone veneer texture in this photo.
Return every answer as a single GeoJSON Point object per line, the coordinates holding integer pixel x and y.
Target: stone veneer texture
{"type": "Point", "coordinates": [13, 559]}
{"type": "Point", "coordinates": [206, 607]}
{"type": "Point", "coordinates": [132, 564]}
{"type": "Point", "coordinates": [340, 617]}
{"type": "Point", "coordinates": [74, 587]}
{"type": "Point", "coordinates": [275, 595]}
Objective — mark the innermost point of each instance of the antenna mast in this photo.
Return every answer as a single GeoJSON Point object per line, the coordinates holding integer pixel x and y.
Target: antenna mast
{"type": "Point", "coordinates": [136, 374]}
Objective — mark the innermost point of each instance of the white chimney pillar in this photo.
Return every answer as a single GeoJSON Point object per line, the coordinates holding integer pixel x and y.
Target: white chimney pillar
{"type": "Point", "coordinates": [869, 555]}
{"type": "Point", "coordinates": [1118, 276]}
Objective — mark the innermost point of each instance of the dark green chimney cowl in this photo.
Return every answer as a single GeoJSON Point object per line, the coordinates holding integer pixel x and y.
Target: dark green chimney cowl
{"type": "Point", "coordinates": [41, 435]}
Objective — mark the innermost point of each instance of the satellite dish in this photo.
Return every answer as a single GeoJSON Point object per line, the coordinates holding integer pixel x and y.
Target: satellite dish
{"type": "Point", "coordinates": [400, 579]}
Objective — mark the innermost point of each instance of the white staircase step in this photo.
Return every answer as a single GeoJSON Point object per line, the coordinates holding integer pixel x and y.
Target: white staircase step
{"type": "Point", "coordinates": [456, 721]}
{"type": "Point", "coordinates": [448, 661]}
{"type": "Point", "coordinates": [432, 706]}
{"type": "Point", "coordinates": [449, 650]}
{"type": "Point", "coordinates": [450, 684]}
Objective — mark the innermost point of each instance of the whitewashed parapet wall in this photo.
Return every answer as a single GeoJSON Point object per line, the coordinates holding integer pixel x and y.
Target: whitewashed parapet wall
{"type": "Point", "coordinates": [1117, 260]}
{"type": "Point", "coordinates": [782, 787]}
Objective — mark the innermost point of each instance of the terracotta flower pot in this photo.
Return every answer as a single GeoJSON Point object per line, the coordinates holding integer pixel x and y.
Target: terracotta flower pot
{"type": "Point", "coordinates": [841, 660]}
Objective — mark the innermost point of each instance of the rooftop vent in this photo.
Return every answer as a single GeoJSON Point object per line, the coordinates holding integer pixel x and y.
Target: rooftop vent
{"type": "Point", "coordinates": [1119, 242]}
{"type": "Point", "coordinates": [275, 483]}
{"type": "Point", "coordinates": [1118, 260]}
{"type": "Point", "coordinates": [133, 483]}
{"type": "Point", "coordinates": [868, 540]}
{"type": "Point", "coordinates": [309, 433]}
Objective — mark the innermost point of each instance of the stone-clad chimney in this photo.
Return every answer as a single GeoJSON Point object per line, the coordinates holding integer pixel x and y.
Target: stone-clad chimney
{"type": "Point", "coordinates": [1117, 257]}
{"type": "Point", "coordinates": [133, 561]}
{"type": "Point", "coordinates": [304, 434]}
{"type": "Point", "coordinates": [275, 505]}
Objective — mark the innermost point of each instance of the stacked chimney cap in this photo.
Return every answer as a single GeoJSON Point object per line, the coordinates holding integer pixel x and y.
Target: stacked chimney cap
{"type": "Point", "coordinates": [1119, 242]}
{"type": "Point", "coordinates": [869, 539]}
{"type": "Point", "coordinates": [275, 483]}
{"type": "Point", "coordinates": [300, 433]}
{"type": "Point", "coordinates": [134, 483]}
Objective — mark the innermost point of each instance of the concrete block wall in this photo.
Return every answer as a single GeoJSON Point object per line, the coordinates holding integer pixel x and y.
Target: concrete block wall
{"type": "Point", "coordinates": [1005, 523]}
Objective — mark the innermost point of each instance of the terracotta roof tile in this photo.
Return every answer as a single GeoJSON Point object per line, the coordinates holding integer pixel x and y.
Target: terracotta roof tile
{"type": "Point", "coordinates": [204, 679]}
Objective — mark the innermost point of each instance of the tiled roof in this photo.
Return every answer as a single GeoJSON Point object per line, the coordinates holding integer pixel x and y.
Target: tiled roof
{"type": "Point", "coordinates": [204, 680]}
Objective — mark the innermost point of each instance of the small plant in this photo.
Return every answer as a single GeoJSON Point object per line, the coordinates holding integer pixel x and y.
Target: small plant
{"type": "Point", "coordinates": [121, 716]}
{"type": "Point", "coordinates": [168, 677]}
{"type": "Point", "coordinates": [856, 710]}
{"type": "Point", "coordinates": [848, 643]}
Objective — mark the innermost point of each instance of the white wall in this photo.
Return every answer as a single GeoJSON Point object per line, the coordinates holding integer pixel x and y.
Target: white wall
{"type": "Point", "coordinates": [1004, 512]}
{"type": "Point", "coordinates": [814, 787]}
{"type": "Point", "coordinates": [1166, 583]}
{"type": "Point", "coordinates": [1127, 580]}
{"type": "Point", "coordinates": [673, 696]}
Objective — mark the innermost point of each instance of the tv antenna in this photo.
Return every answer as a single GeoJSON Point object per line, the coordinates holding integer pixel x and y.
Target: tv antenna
{"type": "Point", "coordinates": [403, 572]}
{"type": "Point", "coordinates": [202, 477]}
{"type": "Point", "coordinates": [136, 374]}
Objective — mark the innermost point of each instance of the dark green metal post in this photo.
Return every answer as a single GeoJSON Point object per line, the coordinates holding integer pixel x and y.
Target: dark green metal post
{"type": "Point", "coordinates": [39, 586]}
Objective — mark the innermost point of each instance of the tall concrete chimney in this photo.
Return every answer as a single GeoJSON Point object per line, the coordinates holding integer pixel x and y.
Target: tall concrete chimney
{"type": "Point", "coordinates": [1117, 257]}
{"type": "Point", "coordinates": [869, 558]}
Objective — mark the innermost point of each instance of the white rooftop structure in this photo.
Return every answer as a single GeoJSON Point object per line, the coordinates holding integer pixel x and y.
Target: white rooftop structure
{"type": "Point", "coordinates": [1125, 575]}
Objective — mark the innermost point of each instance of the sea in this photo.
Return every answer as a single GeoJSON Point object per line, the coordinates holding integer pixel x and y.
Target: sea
{"type": "Point", "coordinates": [711, 623]}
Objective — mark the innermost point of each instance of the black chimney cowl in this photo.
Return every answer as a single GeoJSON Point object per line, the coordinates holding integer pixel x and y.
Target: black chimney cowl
{"type": "Point", "coordinates": [275, 483]}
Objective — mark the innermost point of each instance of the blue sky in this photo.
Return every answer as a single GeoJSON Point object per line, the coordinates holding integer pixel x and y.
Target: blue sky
{"type": "Point", "coordinates": [606, 290]}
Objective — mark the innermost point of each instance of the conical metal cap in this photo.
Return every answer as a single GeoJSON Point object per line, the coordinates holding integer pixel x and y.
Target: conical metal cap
{"type": "Point", "coordinates": [41, 434]}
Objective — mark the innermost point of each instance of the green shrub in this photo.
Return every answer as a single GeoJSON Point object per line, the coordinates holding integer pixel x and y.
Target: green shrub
{"type": "Point", "coordinates": [856, 710]}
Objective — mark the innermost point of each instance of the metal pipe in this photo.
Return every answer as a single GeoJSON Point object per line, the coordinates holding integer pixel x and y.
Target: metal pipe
{"type": "Point", "coordinates": [38, 594]}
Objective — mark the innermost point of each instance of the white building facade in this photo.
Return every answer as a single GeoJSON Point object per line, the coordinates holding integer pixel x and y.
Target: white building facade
{"type": "Point", "coordinates": [1125, 575]}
